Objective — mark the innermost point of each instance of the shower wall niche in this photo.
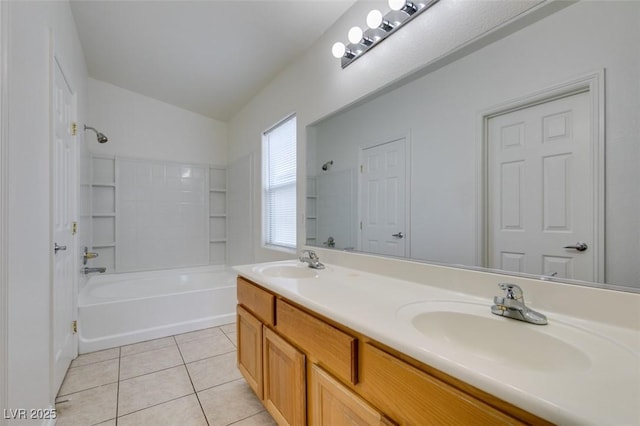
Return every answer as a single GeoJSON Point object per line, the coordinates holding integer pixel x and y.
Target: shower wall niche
{"type": "Point", "coordinates": [103, 211]}
{"type": "Point", "coordinates": [150, 214]}
{"type": "Point", "coordinates": [217, 215]}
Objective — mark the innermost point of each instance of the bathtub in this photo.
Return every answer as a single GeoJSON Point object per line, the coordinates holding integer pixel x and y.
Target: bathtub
{"type": "Point", "coordinates": [120, 309]}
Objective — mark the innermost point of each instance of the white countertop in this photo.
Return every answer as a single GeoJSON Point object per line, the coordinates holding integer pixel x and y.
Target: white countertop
{"type": "Point", "coordinates": [601, 386]}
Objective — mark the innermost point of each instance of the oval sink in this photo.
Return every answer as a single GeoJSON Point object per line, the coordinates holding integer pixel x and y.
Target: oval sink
{"type": "Point", "coordinates": [471, 329]}
{"type": "Point", "coordinates": [289, 270]}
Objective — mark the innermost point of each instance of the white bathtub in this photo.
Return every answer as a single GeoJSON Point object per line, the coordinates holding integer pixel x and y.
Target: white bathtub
{"type": "Point", "coordinates": [119, 309]}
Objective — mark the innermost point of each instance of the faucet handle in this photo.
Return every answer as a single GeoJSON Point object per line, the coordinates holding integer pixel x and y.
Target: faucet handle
{"type": "Point", "coordinates": [312, 254]}
{"type": "Point", "coordinates": [512, 291]}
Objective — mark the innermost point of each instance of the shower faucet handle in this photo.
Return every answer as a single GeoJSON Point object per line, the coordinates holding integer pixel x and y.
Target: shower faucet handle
{"type": "Point", "coordinates": [86, 255]}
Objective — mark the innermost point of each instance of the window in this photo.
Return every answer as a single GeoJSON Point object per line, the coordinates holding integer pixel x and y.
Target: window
{"type": "Point", "coordinates": [279, 184]}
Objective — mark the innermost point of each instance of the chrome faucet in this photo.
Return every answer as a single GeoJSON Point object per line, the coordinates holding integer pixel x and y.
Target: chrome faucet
{"type": "Point", "coordinates": [311, 259]}
{"type": "Point", "coordinates": [101, 269]}
{"type": "Point", "coordinates": [511, 305]}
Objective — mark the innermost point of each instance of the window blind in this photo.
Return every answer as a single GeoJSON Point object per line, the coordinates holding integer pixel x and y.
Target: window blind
{"type": "Point", "coordinates": [279, 184]}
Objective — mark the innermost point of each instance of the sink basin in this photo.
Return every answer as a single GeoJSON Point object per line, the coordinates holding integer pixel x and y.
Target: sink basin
{"type": "Point", "coordinates": [288, 270]}
{"type": "Point", "coordinates": [469, 329]}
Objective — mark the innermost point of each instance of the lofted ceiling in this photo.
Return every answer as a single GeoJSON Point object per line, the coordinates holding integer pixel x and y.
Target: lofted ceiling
{"type": "Point", "coordinates": [209, 56]}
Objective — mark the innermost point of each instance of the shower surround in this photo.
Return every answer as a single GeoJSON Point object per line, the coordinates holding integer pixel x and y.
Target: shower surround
{"type": "Point", "coordinates": [150, 214]}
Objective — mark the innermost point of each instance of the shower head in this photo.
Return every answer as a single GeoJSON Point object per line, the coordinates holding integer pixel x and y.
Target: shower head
{"type": "Point", "coordinates": [327, 165]}
{"type": "Point", "coordinates": [99, 135]}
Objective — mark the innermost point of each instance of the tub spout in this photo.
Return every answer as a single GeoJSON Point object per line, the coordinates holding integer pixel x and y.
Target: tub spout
{"type": "Point", "coordinates": [102, 270]}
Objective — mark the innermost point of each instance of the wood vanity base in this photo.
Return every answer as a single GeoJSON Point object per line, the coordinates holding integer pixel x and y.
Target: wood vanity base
{"type": "Point", "coordinates": [308, 369]}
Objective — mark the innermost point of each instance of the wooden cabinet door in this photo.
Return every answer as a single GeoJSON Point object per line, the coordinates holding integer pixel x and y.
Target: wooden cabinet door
{"type": "Point", "coordinates": [250, 349]}
{"type": "Point", "coordinates": [284, 380]}
{"type": "Point", "coordinates": [333, 404]}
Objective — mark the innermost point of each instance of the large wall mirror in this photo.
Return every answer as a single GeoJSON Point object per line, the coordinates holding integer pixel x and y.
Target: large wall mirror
{"type": "Point", "coordinates": [522, 156]}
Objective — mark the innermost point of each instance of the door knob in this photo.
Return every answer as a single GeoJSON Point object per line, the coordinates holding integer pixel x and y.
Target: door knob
{"type": "Point", "coordinates": [398, 235]}
{"type": "Point", "coordinates": [580, 246]}
{"type": "Point", "coordinates": [56, 247]}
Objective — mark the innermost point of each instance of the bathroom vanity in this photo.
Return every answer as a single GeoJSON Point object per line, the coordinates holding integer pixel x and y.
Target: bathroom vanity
{"type": "Point", "coordinates": [344, 345]}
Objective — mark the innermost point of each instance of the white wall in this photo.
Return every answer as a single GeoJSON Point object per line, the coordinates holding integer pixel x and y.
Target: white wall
{"type": "Point", "coordinates": [29, 236]}
{"type": "Point", "coordinates": [315, 86]}
{"type": "Point", "coordinates": [142, 127]}
{"type": "Point", "coordinates": [440, 111]}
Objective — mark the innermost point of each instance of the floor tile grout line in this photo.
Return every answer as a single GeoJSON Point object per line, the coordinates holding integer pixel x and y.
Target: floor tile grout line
{"type": "Point", "coordinates": [196, 338]}
{"type": "Point", "coordinates": [71, 367]}
{"type": "Point", "coordinates": [150, 372]}
{"type": "Point", "coordinates": [147, 350]}
{"type": "Point", "coordinates": [212, 356]}
{"type": "Point", "coordinates": [86, 389]}
{"type": "Point", "coordinates": [221, 384]}
{"type": "Point", "coordinates": [192, 385]}
{"type": "Point", "coordinates": [123, 355]}
{"type": "Point", "coordinates": [89, 365]}
{"type": "Point", "coordinates": [245, 418]}
{"type": "Point", "coordinates": [229, 338]}
{"type": "Point", "coordinates": [158, 404]}
{"type": "Point", "coordinates": [150, 350]}
{"type": "Point", "coordinates": [118, 386]}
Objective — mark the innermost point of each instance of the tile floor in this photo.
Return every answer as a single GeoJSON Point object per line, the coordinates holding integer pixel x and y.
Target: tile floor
{"type": "Point", "coordinates": [190, 380]}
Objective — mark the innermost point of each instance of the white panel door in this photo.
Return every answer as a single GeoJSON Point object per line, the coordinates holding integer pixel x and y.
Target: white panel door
{"type": "Point", "coordinates": [383, 199]}
{"type": "Point", "coordinates": [541, 189]}
{"type": "Point", "coordinates": [63, 193]}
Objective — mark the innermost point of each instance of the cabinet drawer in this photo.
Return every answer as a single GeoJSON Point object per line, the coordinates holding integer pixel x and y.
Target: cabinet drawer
{"type": "Point", "coordinates": [333, 349]}
{"type": "Point", "coordinates": [257, 300]}
{"type": "Point", "coordinates": [411, 396]}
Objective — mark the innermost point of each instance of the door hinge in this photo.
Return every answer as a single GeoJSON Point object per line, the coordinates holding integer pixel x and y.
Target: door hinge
{"type": "Point", "coordinates": [74, 228]}
{"type": "Point", "coordinates": [74, 326]}
{"type": "Point", "coordinates": [360, 225]}
{"type": "Point", "coordinates": [361, 168]}
{"type": "Point", "coordinates": [74, 128]}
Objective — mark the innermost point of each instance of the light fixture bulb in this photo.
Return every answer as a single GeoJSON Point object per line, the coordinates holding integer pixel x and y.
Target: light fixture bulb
{"type": "Point", "coordinates": [396, 4]}
{"type": "Point", "coordinates": [355, 35]}
{"type": "Point", "coordinates": [374, 19]}
{"type": "Point", "coordinates": [338, 50]}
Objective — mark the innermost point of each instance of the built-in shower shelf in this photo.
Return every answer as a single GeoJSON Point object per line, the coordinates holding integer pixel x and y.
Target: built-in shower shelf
{"type": "Point", "coordinates": [217, 215]}
{"type": "Point", "coordinates": [102, 245]}
{"type": "Point", "coordinates": [311, 201]}
{"type": "Point", "coordinates": [103, 210]}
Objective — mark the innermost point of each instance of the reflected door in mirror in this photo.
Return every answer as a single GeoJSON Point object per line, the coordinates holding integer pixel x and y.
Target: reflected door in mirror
{"type": "Point", "coordinates": [383, 180]}
{"type": "Point", "coordinates": [541, 189]}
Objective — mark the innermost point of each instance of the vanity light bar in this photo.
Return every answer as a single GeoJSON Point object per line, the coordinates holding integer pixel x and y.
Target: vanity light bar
{"type": "Point", "coordinates": [379, 28]}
